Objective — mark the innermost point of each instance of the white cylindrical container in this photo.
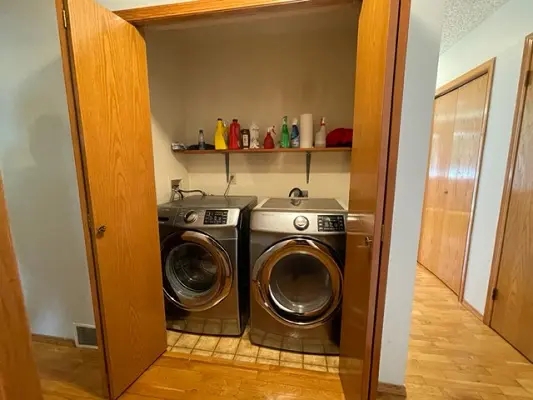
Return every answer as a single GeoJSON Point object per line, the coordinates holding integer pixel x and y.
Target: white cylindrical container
{"type": "Point", "coordinates": [306, 131]}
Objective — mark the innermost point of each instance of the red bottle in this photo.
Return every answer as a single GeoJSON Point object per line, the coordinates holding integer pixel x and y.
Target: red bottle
{"type": "Point", "coordinates": [269, 141]}
{"type": "Point", "coordinates": [234, 132]}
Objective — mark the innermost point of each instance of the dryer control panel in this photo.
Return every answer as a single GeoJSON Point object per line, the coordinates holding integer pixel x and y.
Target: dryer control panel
{"type": "Point", "coordinates": [216, 217]}
{"type": "Point", "coordinates": [331, 223]}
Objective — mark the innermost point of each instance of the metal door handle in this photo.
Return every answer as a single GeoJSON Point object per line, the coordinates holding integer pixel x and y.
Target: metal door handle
{"type": "Point", "coordinates": [101, 230]}
{"type": "Point", "coordinates": [368, 241]}
{"type": "Point", "coordinates": [445, 192]}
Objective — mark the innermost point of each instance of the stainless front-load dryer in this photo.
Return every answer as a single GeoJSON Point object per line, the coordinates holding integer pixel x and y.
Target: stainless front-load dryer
{"type": "Point", "coordinates": [297, 255]}
{"type": "Point", "coordinates": [205, 260]}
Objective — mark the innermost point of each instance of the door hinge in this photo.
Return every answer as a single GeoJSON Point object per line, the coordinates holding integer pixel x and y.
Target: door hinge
{"type": "Point", "coordinates": [65, 18]}
{"type": "Point", "coordinates": [494, 294]}
{"type": "Point", "coordinates": [527, 81]}
{"type": "Point", "coordinates": [382, 233]}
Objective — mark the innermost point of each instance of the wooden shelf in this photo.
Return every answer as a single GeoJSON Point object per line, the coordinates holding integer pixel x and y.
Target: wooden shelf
{"type": "Point", "coordinates": [262, 151]}
{"type": "Point", "coordinates": [277, 150]}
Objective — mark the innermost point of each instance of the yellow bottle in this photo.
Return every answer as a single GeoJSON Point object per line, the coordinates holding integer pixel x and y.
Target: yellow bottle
{"type": "Point", "coordinates": [220, 142]}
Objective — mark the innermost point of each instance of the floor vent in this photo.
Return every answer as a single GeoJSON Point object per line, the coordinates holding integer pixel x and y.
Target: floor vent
{"type": "Point", "coordinates": [86, 336]}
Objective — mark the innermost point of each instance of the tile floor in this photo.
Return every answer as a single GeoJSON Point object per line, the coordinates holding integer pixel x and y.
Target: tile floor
{"type": "Point", "coordinates": [241, 349]}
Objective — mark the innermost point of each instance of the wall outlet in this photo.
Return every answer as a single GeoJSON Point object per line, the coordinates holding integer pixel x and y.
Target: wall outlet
{"type": "Point", "coordinates": [233, 179]}
{"type": "Point", "coordinates": [175, 183]}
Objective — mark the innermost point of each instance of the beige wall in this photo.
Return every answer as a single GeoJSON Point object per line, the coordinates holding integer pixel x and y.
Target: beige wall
{"type": "Point", "coordinates": [258, 70]}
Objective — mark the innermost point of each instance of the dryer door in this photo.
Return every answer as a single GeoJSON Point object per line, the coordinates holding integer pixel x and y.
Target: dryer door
{"type": "Point", "coordinates": [298, 282]}
{"type": "Point", "coordinates": [197, 271]}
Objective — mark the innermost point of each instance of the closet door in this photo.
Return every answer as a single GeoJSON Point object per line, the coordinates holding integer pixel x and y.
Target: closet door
{"type": "Point", "coordinates": [437, 178]}
{"type": "Point", "coordinates": [376, 96]}
{"type": "Point", "coordinates": [460, 185]}
{"type": "Point", "coordinates": [109, 74]}
{"type": "Point", "coordinates": [450, 184]}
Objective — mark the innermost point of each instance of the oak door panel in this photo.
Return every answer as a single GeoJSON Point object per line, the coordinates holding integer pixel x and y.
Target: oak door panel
{"type": "Point", "coordinates": [374, 80]}
{"type": "Point", "coordinates": [452, 172]}
{"type": "Point", "coordinates": [436, 180]}
{"type": "Point", "coordinates": [18, 372]}
{"type": "Point", "coordinates": [462, 173]}
{"type": "Point", "coordinates": [109, 72]}
{"type": "Point", "coordinates": [512, 315]}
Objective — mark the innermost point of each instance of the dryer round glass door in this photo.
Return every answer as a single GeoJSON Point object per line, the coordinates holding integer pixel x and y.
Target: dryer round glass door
{"type": "Point", "coordinates": [197, 272]}
{"type": "Point", "coordinates": [298, 282]}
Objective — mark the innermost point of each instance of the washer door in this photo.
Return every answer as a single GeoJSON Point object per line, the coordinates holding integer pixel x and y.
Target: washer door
{"type": "Point", "coordinates": [298, 282]}
{"type": "Point", "coordinates": [197, 271]}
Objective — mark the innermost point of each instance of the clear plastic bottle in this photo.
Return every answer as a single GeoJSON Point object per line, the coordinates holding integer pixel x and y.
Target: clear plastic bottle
{"type": "Point", "coordinates": [201, 140]}
{"type": "Point", "coordinates": [320, 136]}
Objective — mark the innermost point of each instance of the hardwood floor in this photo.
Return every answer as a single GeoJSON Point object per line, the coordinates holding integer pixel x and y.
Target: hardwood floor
{"type": "Point", "coordinates": [452, 355]}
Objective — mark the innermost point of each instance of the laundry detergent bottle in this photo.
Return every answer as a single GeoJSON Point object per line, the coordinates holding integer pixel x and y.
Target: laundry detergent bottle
{"type": "Point", "coordinates": [220, 142]}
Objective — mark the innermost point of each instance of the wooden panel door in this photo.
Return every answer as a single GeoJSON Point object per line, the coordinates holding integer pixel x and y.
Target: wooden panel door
{"type": "Point", "coordinates": [457, 138]}
{"type": "Point", "coordinates": [375, 80]}
{"type": "Point", "coordinates": [18, 373]}
{"type": "Point", "coordinates": [460, 185]}
{"type": "Point", "coordinates": [512, 314]}
{"type": "Point", "coordinates": [109, 73]}
{"type": "Point", "coordinates": [437, 177]}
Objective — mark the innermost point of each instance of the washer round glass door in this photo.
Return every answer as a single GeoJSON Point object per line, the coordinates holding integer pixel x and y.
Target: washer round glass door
{"type": "Point", "coordinates": [197, 273]}
{"type": "Point", "coordinates": [298, 282]}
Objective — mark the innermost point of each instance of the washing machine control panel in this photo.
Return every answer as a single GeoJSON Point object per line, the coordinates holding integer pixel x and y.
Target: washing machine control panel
{"type": "Point", "coordinates": [216, 217]}
{"type": "Point", "coordinates": [330, 223]}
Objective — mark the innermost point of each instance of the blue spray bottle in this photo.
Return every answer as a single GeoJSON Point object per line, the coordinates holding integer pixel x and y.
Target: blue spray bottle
{"type": "Point", "coordinates": [295, 134]}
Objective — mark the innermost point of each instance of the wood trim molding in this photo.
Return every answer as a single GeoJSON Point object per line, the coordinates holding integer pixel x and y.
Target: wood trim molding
{"type": "Point", "coordinates": [469, 307]}
{"type": "Point", "coordinates": [169, 13]}
{"type": "Point", "coordinates": [392, 390]}
{"type": "Point", "coordinates": [394, 141]}
{"type": "Point", "coordinates": [527, 61]}
{"type": "Point", "coordinates": [486, 68]}
{"type": "Point", "coordinates": [57, 341]}
{"type": "Point", "coordinates": [467, 77]}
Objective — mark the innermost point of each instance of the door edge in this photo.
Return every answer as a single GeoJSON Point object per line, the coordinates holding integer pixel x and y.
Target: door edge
{"type": "Point", "coordinates": [525, 70]}
{"type": "Point", "coordinates": [392, 158]}
{"type": "Point", "coordinates": [83, 189]}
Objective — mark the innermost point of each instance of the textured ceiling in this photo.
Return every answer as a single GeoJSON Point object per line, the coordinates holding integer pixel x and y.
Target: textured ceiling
{"type": "Point", "coordinates": [462, 16]}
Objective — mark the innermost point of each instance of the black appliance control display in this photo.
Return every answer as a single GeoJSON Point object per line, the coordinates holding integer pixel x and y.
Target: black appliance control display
{"type": "Point", "coordinates": [330, 223]}
{"type": "Point", "coordinates": [216, 217]}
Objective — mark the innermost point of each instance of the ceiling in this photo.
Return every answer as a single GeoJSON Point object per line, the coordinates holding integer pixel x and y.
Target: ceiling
{"type": "Point", "coordinates": [462, 16]}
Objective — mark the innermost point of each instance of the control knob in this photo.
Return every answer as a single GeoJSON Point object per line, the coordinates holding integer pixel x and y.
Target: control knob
{"type": "Point", "coordinates": [190, 217]}
{"type": "Point", "coordinates": [301, 223]}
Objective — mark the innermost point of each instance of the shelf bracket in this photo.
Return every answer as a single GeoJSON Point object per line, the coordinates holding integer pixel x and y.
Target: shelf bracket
{"type": "Point", "coordinates": [307, 165]}
{"type": "Point", "coordinates": [226, 159]}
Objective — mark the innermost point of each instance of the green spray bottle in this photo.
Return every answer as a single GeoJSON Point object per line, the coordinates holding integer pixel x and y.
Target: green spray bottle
{"type": "Point", "coordinates": [285, 136]}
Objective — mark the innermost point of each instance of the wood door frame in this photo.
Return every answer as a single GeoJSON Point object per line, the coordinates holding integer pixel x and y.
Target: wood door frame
{"type": "Point", "coordinates": [169, 13]}
{"type": "Point", "coordinates": [82, 187]}
{"type": "Point", "coordinates": [485, 68]}
{"type": "Point", "coordinates": [390, 188]}
{"type": "Point", "coordinates": [172, 12]}
{"type": "Point", "coordinates": [525, 70]}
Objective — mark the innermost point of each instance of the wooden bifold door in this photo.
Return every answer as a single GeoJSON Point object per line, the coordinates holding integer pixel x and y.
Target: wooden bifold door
{"type": "Point", "coordinates": [106, 59]}
{"type": "Point", "coordinates": [459, 120]}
